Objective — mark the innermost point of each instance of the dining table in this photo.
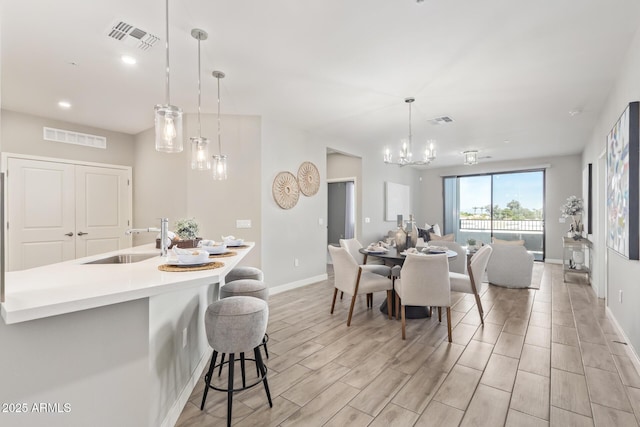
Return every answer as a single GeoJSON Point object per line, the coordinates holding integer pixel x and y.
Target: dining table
{"type": "Point", "coordinates": [392, 256]}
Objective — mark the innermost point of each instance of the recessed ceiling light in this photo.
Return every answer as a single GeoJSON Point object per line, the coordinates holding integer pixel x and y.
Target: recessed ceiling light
{"type": "Point", "coordinates": [506, 141]}
{"type": "Point", "coordinates": [64, 104]}
{"type": "Point", "coordinates": [129, 60]}
{"type": "Point", "coordinates": [575, 112]}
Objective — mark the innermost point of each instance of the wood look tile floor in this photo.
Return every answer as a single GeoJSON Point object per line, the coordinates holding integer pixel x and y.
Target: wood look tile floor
{"type": "Point", "coordinates": [546, 357]}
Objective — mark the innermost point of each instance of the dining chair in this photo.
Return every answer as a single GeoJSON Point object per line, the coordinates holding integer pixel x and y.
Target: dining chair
{"type": "Point", "coordinates": [470, 283]}
{"type": "Point", "coordinates": [424, 281]}
{"type": "Point", "coordinates": [373, 264]}
{"type": "Point", "coordinates": [459, 263]}
{"type": "Point", "coordinates": [353, 279]}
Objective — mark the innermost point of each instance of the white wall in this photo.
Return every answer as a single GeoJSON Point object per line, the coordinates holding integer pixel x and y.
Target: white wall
{"type": "Point", "coordinates": [563, 179]}
{"type": "Point", "coordinates": [292, 233]}
{"type": "Point", "coordinates": [622, 274]}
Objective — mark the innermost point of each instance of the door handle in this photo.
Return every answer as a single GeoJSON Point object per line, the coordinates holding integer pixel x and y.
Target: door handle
{"type": "Point", "coordinates": [69, 234]}
{"type": "Point", "coordinates": [80, 233]}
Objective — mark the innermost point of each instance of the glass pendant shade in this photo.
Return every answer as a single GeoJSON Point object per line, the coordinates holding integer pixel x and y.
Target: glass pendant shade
{"type": "Point", "coordinates": [219, 167]}
{"type": "Point", "coordinates": [168, 128]}
{"type": "Point", "coordinates": [200, 159]}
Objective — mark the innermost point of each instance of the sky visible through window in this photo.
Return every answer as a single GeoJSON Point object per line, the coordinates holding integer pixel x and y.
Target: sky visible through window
{"type": "Point", "coordinates": [525, 187]}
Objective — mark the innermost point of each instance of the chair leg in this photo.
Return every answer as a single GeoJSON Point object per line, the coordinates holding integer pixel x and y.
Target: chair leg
{"type": "Point", "coordinates": [404, 323]}
{"type": "Point", "coordinates": [449, 322]}
{"type": "Point", "coordinates": [480, 310]}
{"type": "Point", "coordinates": [244, 382]}
{"type": "Point", "coordinates": [440, 314]}
{"type": "Point", "coordinates": [221, 365]}
{"type": "Point", "coordinates": [389, 304]}
{"type": "Point", "coordinates": [341, 295]}
{"type": "Point", "coordinates": [397, 299]}
{"type": "Point", "coordinates": [431, 311]}
{"type": "Point", "coordinates": [264, 343]}
{"type": "Point", "coordinates": [230, 387]}
{"type": "Point", "coordinates": [333, 304]}
{"type": "Point", "coordinates": [263, 370]}
{"type": "Point", "coordinates": [207, 378]}
{"type": "Point", "coordinates": [353, 303]}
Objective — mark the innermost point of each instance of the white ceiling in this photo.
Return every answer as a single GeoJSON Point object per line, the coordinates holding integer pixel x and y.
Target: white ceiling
{"type": "Point", "coordinates": [502, 69]}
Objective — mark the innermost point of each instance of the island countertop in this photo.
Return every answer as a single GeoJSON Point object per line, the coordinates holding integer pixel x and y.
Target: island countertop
{"type": "Point", "coordinates": [74, 285]}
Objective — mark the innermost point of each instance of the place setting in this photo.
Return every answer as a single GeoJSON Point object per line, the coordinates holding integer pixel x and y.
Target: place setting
{"type": "Point", "coordinates": [193, 259]}
{"type": "Point", "coordinates": [216, 250]}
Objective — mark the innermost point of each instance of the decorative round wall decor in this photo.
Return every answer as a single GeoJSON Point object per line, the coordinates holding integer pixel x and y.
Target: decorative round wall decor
{"type": "Point", "coordinates": [308, 179]}
{"type": "Point", "coordinates": [285, 190]}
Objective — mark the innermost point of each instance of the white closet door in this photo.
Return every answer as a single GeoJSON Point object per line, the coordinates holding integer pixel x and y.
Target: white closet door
{"type": "Point", "coordinates": [102, 210]}
{"type": "Point", "coordinates": [41, 213]}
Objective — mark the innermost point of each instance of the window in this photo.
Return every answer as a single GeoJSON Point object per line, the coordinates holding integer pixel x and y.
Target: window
{"type": "Point", "coordinates": [507, 206]}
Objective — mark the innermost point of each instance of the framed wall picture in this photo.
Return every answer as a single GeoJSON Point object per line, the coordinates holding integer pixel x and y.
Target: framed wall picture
{"type": "Point", "coordinates": [398, 201]}
{"type": "Point", "coordinates": [622, 183]}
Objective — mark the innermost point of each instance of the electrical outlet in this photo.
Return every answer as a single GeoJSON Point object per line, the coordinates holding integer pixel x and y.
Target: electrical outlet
{"type": "Point", "coordinates": [184, 337]}
{"type": "Point", "coordinates": [296, 262]}
{"type": "Point", "coordinates": [562, 220]}
{"type": "Point", "coordinates": [243, 223]}
{"type": "Point", "coordinates": [320, 221]}
{"type": "Point", "coordinates": [367, 220]}
{"type": "Point", "coordinates": [620, 296]}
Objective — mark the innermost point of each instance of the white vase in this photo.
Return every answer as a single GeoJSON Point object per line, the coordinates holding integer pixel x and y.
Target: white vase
{"type": "Point", "coordinates": [578, 259]}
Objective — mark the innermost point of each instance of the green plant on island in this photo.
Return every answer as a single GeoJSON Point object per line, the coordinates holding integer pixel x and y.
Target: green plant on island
{"type": "Point", "coordinates": [187, 228]}
{"type": "Point", "coordinates": [471, 242]}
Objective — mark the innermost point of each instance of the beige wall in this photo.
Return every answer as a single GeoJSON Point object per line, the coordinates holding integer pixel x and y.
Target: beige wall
{"type": "Point", "coordinates": [22, 133]}
{"type": "Point", "coordinates": [563, 179]}
{"type": "Point", "coordinates": [165, 186]}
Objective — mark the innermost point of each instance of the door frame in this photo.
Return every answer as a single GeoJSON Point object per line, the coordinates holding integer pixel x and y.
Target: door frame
{"type": "Point", "coordinates": [353, 179]}
{"type": "Point", "coordinates": [4, 167]}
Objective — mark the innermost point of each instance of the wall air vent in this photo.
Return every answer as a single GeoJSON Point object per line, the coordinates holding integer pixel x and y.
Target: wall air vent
{"type": "Point", "coordinates": [132, 36]}
{"type": "Point", "coordinates": [77, 138]}
{"type": "Point", "coordinates": [443, 120]}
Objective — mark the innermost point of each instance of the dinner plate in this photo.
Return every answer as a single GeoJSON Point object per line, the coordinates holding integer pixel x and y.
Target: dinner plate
{"type": "Point", "coordinates": [375, 252]}
{"type": "Point", "coordinates": [176, 263]}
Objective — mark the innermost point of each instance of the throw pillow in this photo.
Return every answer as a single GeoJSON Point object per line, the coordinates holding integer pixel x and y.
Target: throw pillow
{"type": "Point", "coordinates": [445, 238]}
{"type": "Point", "coordinates": [436, 229]}
{"type": "Point", "coordinates": [424, 233]}
{"type": "Point", "coordinates": [507, 242]}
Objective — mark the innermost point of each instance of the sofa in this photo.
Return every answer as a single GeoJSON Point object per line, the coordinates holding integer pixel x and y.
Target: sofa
{"type": "Point", "coordinates": [510, 266]}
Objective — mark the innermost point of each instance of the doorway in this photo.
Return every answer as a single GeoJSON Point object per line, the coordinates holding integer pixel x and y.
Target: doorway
{"type": "Point", "coordinates": [341, 215]}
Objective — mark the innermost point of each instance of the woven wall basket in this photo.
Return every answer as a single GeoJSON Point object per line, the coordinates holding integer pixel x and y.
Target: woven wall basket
{"type": "Point", "coordinates": [285, 190]}
{"type": "Point", "coordinates": [308, 179]}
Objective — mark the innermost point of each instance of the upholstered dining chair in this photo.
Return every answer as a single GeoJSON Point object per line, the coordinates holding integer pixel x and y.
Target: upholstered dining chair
{"type": "Point", "coordinates": [353, 279]}
{"type": "Point", "coordinates": [374, 264]}
{"type": "Point", "coordinates": [459, 263]}
{"type": "Point", "coordinates": [424, 281]}
{"type": "Point", "coordinates": [469, 284]}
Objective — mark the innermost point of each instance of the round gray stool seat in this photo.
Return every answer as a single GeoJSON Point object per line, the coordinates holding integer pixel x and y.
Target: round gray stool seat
{"type": "Point", "coordinates": [239, 273]}
{"type": "Point", "coordinates": [236, 324]}
{"type": "Point", "coordinates": [245, 287]}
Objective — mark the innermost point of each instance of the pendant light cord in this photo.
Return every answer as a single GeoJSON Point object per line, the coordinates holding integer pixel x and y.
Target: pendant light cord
{"type": "Point", "coordinates": [219, 143]}
{"type": "Point", "coordinates": [199, 91]}
{"type": "Point", "coordinates": [410, 136]}
{"type": "Point", "coordinates": [167, 46]}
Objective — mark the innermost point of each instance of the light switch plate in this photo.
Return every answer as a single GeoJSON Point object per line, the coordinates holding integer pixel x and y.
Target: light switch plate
{"type": "Point", "coordinates": [243, 223]}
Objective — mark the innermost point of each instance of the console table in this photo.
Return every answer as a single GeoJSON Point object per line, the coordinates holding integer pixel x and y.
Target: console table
{"type": "Point", "coordinates": [569, 246]}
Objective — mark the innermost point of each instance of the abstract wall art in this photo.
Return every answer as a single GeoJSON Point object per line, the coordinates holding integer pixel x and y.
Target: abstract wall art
{"type": "Point", "coordinates": [622, 184]}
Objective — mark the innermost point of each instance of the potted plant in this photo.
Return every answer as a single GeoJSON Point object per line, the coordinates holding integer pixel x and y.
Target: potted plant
{"type": "Point", "coordinates": [187, 233]}
{"type": "Point", "coordinates": [471, 243]}
{"type": "Point", "coordinates": [573, 208]}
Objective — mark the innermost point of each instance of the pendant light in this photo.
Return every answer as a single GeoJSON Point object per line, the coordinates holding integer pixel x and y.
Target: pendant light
{"type": "Point", "coordinates": [199, 146]}
{"type": "Point", "coordinates": [168, 118]}
{"type": "Point", "coordinates": [219, 160]}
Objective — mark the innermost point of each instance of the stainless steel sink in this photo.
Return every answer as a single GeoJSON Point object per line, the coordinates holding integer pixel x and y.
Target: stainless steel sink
{"type": "Point", "coordinates": [123, 259]}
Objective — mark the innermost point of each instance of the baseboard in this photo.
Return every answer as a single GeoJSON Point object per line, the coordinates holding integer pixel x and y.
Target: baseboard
{"type": "Point", "coordinates": [552, 261]}
{"type": "Point", "coordinates": [178, 406]}
{"type": "Point", "coordinates": [635, 359]}
{"type": "Point", "coordinates": [297, 284]}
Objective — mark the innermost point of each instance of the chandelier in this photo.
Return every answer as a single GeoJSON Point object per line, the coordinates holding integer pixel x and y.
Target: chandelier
{"type": "Point", "coordinates": [405, 157]}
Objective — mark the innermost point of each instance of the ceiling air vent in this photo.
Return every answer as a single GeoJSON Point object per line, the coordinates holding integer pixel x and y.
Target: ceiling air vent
{"type": "Point", "coordinates": [441, 120]}
{"type": "Point", "coordinates": [132, 36]}
{"type": "Point", "coordinates": [77, 138]}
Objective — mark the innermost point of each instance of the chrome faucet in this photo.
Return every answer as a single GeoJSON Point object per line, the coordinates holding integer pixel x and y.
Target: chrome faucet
{"type": "Point", "coordinates": [163, 230]}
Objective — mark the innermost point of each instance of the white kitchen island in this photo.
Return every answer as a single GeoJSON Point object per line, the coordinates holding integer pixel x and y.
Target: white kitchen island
{"type": "Point", "coordinates": [104, 344]}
